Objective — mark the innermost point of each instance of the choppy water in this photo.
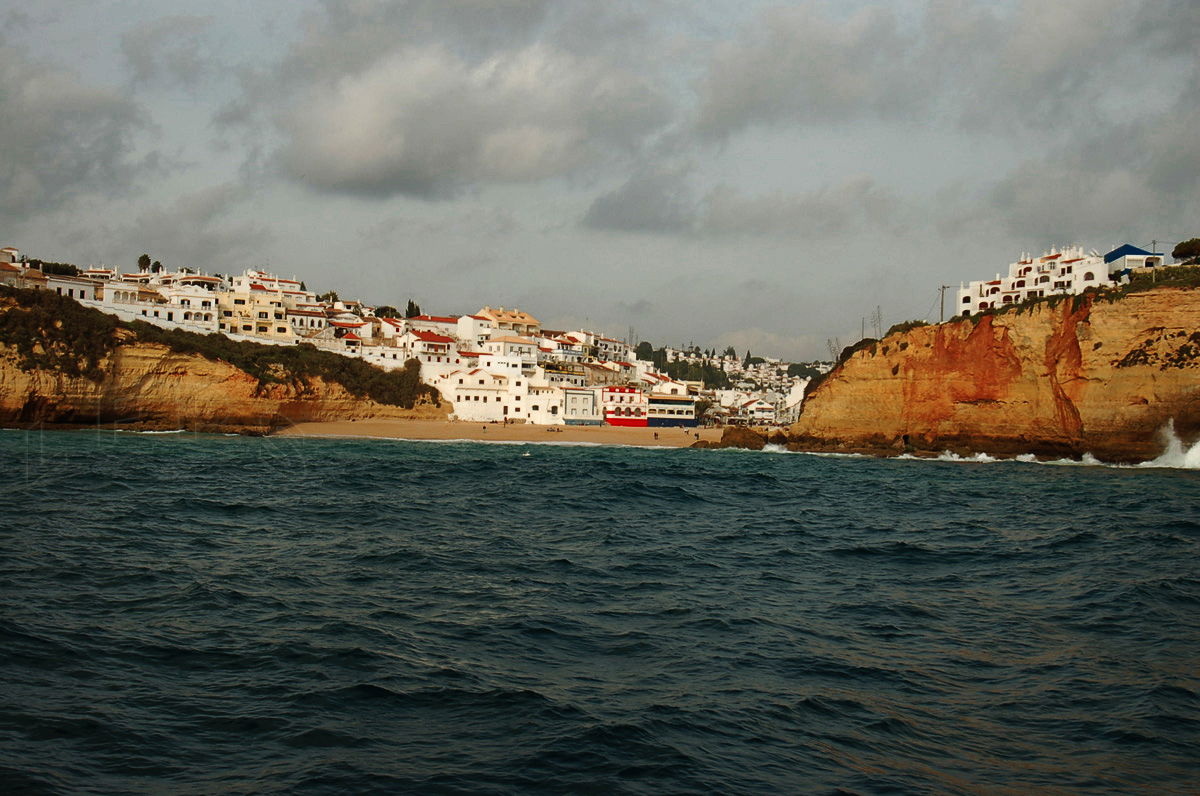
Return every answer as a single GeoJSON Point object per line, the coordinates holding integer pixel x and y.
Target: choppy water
{"type": "Point", "coordinates": [193, 614]}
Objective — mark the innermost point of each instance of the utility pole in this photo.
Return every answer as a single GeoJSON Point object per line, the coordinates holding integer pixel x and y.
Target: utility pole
{"type": "Point", "coordinates": [942, 313]}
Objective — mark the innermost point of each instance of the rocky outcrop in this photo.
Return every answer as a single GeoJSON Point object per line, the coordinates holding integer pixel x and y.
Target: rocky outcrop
{"type": "Point", "coordinates": [1086, 374]}
{"type": "Point", "coordinates": [149, 387]}
{"type": "Point", "coordinates": [736, 437]}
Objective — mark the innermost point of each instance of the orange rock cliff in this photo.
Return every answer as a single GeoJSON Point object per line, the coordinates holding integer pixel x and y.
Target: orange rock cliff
{"type": "Point", "coordinates": [148, 386]}
{"type": "Point", "coordinates": [1080, 375]}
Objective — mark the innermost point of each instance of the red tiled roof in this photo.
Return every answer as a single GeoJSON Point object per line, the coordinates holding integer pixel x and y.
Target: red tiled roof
{"type": "Point", "coordinates": [1052, 257]}
{"type": "Point", "coordinates": [347, 324]}
{"type": "Point", "coordinates": [436, 318]}
{"type": "Point", "coordinates": [430, 337]}
{"type": "Point", "coordinates": [351, 336]}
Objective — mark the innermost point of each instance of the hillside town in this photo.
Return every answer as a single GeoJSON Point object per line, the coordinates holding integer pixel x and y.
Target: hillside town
{"type": "Point", "coordinates": [501, 364]}
{"type": "Point", "coordinates": [495, 365]}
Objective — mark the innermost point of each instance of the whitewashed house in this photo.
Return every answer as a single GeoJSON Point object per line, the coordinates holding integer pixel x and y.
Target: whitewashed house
{"type": "Point", "coordinates": [1068, 271]}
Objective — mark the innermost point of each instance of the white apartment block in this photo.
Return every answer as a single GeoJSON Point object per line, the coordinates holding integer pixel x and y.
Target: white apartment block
{"type": "Point", "coordinates": [1064, 271]}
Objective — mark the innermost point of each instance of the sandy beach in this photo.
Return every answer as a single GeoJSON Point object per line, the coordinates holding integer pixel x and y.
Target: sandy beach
{"type": "Point", "coordinates": [449, 429]}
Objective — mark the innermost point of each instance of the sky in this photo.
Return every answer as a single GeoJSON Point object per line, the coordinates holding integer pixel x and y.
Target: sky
{"type": "Point", "coordinates": [755, 174]}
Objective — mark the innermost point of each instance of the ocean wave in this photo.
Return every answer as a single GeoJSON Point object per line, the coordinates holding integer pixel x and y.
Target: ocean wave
{"type": "Point", "coordinates": [1177, 454]}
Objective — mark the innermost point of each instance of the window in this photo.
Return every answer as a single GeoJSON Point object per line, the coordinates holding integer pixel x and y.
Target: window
{"type": "Point", "coordinates": [262, 329]}
{"type": "Point", "coordinates": [246, 327]}
{"type": "Point", "coordinates": [227, 313]}
{"type": "Point", "coordinates": [1089, 276]}
{"type": "Point", "coordinates": [281, 329]}
{"type": "Point", "coordinates": [966, 300]}
{"type": "Point", "coordinates": [239, 301]}
{"type": "Point", "coordinates": [262, 314]}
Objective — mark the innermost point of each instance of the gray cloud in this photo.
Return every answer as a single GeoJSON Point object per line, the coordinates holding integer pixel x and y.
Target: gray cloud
{"type": "Point", "coordinates": [168, 51]}
{"type": "Point", "coordinates": [426, 123]}
{"type": "Point", "coordinates": [652, 200]}
{"type": "Point", "coordinates": [665, 202]}
{"type": "Point", "coordinates": [856, 203]}
{"type": "Point", "coordinates": [801, 65]}
{"type": "Point", "coordinates": [202, 229]}
{"type": "Point", "coordinates": [61, 136]}
{"type": "Point", "coordinates": [427, 99]}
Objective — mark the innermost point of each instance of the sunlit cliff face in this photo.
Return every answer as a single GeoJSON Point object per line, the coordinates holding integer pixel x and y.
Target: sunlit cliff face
{"type": "Point", "coordinates": [1079, 376]}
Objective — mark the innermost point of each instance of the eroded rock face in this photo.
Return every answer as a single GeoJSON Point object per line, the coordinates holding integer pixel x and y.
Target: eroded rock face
{"type": "Point", "coordinates": [149, 387]}
{"type": "Point", "coordinates": [1081, 376]}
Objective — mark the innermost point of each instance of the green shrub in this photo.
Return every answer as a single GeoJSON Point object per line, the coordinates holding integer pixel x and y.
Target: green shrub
{"type": "Point", "coordinates": [905, 326]}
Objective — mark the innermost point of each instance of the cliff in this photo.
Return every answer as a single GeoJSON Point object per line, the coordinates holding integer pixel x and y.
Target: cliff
{"type": "Point", "coordinates": [148, 386]}
{"type": "Point", "coordinates": [1096, 373]}
{"type": "Point", "coordinates": [61, 363]}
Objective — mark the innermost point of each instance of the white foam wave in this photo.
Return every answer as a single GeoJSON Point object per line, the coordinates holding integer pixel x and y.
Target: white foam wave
{"type": "Point", "coordinates": [1177, 453]}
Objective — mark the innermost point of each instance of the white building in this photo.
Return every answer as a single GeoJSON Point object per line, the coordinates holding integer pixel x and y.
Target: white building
{"type": "Point", "coordinates": [582, 407]}
{"type": "Point", "coordinates": [1058, 272]}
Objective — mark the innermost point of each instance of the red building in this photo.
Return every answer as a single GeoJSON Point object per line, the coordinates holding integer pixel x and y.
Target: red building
{"type": "Point", "coordinates": [625, 406]}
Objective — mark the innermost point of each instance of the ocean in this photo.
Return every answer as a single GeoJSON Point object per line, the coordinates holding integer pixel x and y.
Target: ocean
{"type": "Point", "coordinates": [206, 614]}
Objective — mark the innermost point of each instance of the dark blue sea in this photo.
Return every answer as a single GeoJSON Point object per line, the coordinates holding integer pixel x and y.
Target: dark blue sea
{"type": "Point", "coordinates": [205, 614]}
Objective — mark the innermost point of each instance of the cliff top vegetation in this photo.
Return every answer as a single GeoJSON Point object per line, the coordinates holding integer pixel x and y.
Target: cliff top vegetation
{"type": "Point", "coordinates": [53, 332]}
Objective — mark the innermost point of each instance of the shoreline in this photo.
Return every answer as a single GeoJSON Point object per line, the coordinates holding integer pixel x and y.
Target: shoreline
{"type": "Point", "coordinates": [451, 430]}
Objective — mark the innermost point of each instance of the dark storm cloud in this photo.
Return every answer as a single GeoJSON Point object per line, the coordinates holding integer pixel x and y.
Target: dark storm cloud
{"type": "Point", "coordinates": [61, 136]}
{"type": "Point", "coordinates": [168, 51]}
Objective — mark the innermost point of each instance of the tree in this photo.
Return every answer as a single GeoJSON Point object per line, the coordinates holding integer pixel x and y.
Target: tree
{"type": "Point", "coordinates": [303, 286]}
{"type": "Point", "coordinates": [1187, 252]}
{"type": "Point", "coordinates": [387, 311]}
{"type": "Point", "coordinates": [644, 351]}
{"type": "Point", "coordinates": [729, 352]}
{"type": "Point", "coordinates": [746, 361]}
{"type": "Point", "coordinates": [144, 262]}
{"type": "Point", "coordinates": [702, 407]}
{"type": "Point", "coordinates": [329, 297]}
{"type": "Point", "coordinates": [156, 267]}
{"type": "Point", "coordinates": [802, 370]}
{"type": "Point", "coordinates": [55, 269]}
{"type": "Point", "coordinates": [412, 310]}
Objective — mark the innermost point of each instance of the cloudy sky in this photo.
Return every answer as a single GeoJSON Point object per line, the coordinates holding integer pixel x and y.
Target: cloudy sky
{"type": "Point", "coordinates": [759, 174]}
